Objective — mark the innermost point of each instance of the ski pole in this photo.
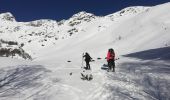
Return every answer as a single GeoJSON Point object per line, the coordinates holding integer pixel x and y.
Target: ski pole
{"type": "Point", "coordinates": [82, 60]}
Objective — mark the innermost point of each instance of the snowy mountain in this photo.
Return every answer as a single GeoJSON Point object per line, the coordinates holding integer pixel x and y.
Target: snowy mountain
{"type": "Point", "coordinates": [80, 18]}
{"type": "Point", "coordinates": [128, 11]}
{"type": "Point", "coordinates": [7, 17]}
{"type": "Point", "coordinates": [139, 35]}
{"type": "Point", "coordinates": [45, 32]}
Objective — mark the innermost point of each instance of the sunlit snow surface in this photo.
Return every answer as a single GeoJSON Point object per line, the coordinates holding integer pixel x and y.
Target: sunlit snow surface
{"type": "Point", "coordinates": [141, 39]}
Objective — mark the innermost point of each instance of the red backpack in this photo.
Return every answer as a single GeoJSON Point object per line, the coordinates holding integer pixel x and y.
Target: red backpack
{"type": "Point", "coordinates": [110, 55]}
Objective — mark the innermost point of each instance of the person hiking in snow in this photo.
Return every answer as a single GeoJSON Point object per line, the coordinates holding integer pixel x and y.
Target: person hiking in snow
{"type": "Point", "coordinates": [87, 60]}
{"type": "Point", "coordinates": [111, 59]}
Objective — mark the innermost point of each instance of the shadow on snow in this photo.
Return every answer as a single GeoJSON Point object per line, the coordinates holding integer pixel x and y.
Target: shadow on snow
{"type": "Point", "coordinates": [16, 79]}
{"type": "Point", "coordinates": [153, 76]}
{"type": "Point", "coordinates": [159, 53]}
{"type": "Point", "coordinates": [149, 75]}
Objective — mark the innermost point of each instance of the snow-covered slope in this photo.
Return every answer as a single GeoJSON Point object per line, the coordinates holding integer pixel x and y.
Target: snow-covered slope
{"type": "Point", "coordinates": [146, 30]}
{"type": "Point", "coordinates": [139, 35]}
{"type": "Point", "coordinates": [44, 33]}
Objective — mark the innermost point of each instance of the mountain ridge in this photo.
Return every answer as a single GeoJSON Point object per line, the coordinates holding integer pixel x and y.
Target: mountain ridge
{"type": "Point", "coordinates": [47, 33]}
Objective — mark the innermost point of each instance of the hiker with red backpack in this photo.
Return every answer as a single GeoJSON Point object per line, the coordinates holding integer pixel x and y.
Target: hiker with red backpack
{"type": "Point", "coordinates": [111, 60]}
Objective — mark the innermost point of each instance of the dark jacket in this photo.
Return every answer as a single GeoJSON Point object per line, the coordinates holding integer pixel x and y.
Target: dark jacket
{"type": "Point", "coordinates": [87, 57]}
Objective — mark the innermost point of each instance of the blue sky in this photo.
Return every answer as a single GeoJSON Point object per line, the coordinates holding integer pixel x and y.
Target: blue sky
{"type": "Point", "coordinates": [28, 10]}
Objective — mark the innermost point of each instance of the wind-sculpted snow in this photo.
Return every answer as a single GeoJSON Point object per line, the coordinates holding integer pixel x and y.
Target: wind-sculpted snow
{"type": "Point", "coordinates": [138, 80]}
{"type": "Point", "coordinates": [144, 78]}
{"type": "Point", "coordinates": [16, 81]}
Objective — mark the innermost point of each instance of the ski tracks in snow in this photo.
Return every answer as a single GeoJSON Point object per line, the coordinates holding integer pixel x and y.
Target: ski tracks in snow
{"type": "Point", "coordinates": [119, 86]}
{"type": "Point", "coordinates": [135, 82]}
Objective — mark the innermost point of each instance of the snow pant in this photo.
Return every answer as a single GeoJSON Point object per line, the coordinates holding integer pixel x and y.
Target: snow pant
{"type": "Point", "coordinates": [111, 65]}
{"type": "Point", "coordinates": [87, 65]}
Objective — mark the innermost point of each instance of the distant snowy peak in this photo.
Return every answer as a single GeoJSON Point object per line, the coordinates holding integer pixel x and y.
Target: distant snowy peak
{"type": "Point", "coordinates": [129, 11]}
{"type": "Point", "coordinates": [135, 9]}
{"type": "Point", "coordinates": [81, 17]}
{"type": "Point", "coordinates": [42, 22]}
{"type": "Point", "coordinates": [61, 22]}
{"type": "Point", "coordinates": [7, 17]}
